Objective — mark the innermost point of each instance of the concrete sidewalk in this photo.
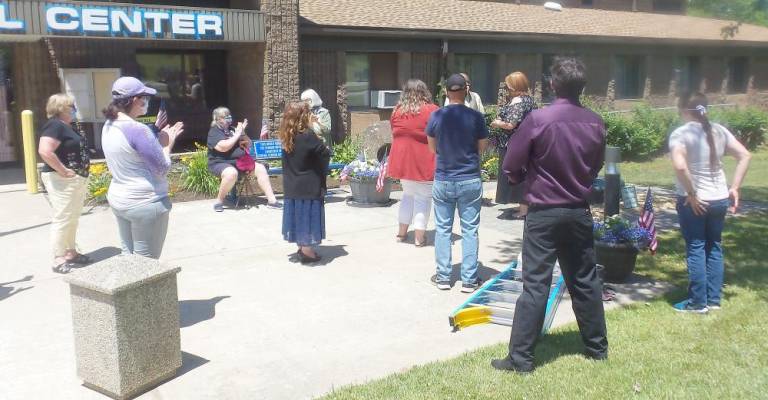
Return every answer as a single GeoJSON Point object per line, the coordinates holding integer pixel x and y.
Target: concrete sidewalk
{"type": "Point", "coordinates": [254, 325]}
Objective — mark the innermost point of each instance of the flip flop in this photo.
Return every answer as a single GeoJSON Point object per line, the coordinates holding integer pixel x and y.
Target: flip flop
{"type": "Point", "coordinates": [63, 268]}
{"type": "Point", "coordinates": [81, 259]}
{"type": "Point", "coordinates": [401, 238]}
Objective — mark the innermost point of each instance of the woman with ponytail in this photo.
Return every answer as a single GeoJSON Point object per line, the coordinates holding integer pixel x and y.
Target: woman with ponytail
{"type": "Point", "coordinates": [697, 149]}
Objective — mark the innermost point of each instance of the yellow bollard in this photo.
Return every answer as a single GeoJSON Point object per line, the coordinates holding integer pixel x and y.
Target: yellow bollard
{"type": "Point", "coordinates": [30, 150]}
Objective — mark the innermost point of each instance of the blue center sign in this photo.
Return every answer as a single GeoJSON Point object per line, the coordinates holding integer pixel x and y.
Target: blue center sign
{"type": "Point", "coordinates": [267, 149]}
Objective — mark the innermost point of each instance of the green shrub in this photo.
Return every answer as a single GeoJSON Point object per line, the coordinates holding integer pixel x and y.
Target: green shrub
{"type": "Point", "coordinates": [749, 125]}
{"type": "Point", "coordinates": [347, 150]}
{"type": "Point", "coordinates": [642, 133]}
{"type": "Point", "coordinates": [195, 175]}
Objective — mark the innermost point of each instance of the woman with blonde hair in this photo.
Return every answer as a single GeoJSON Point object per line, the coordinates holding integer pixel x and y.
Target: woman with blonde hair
{"type": "Point", "coordinates": [510, 116]}
{"type": "Point", "coordinates": [410, 160]}
{"type": "Point", "coordinates": [305, 167]}
{"type": "Point", "coordinates": [225, 145]}
{"type": "Point", "coordinates": [64, 175]}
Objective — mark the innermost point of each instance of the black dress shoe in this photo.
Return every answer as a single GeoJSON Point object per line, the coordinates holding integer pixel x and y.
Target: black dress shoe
{"type": "Point", "coordinates": [504, 364]}
{"type": "Point", "coordinates": [305, 259]}
{"type": "Point", "coordinates": [596, 357]}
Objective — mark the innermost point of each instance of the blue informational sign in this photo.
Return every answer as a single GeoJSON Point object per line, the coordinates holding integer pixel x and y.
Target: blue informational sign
{"type": "Point", "coordinates": [266, 149]}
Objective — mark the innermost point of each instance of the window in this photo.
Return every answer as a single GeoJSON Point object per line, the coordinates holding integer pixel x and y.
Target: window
{"type": "Point", "coordinates": [737, 74]}
{"type": "Point", "coordinates": [687, 74]}
{"type": "Point", "coordinates": [629, 73]}
{"type": "Point", "coordinates": [369, 71]}
{"type": "Point", "coordinates": [189, 83]}
{"type": "Point", "coordinates": [668, 6]}
{"type": "Point", "coordinates": [480, 68]}
{"type": "Point", "coordinates": [587, 3]}
{"type": "Point", "coordinates": [547, 94]}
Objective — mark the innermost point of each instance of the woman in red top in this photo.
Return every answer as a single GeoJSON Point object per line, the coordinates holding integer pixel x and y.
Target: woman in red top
{"type": "Point", "coordinates": [410, 159]}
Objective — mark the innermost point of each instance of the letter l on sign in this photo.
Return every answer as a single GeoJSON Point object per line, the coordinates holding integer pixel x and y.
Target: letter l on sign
{"type": "Point", "coordinates": [8, 24]}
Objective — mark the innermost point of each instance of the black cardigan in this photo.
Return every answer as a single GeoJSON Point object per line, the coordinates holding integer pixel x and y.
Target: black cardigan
{"type": "Point", "coordinates": [306, 167]}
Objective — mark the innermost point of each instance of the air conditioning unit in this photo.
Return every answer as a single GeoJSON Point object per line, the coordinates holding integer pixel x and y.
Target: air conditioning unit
{"type": "Point", "coordinates": [385, 98]}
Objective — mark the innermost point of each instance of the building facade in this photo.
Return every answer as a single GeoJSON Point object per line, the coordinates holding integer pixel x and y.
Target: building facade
{"type": "Point", "coordinates": [350, 48]}
{"type": "Point", "coordinates": [197, 54]}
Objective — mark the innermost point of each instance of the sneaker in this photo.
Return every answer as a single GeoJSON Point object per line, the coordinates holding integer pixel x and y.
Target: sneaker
{"type": "Point", "coordinates": [687, 306]}
{"type": "Point", "coordinates": [442, 285]}
{"type": "Point", "coordinates": [218, 207]}
{"type": "Point", "coordinates": [231, 198]}
{"type": "Point", "coordinates": [277, 205]}
{"type": "Point", "coordinates": [714, 306]}
{"type": "Point", "coordinates": [469, 287]}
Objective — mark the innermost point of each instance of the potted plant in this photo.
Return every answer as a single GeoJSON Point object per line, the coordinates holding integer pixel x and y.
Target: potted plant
{"type": "Point", "coordinates": [362, 176]}
{"type": "Point", "coordinates": [617, 242]}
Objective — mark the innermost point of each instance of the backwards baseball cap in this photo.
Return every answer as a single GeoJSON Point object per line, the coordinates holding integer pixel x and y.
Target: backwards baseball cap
{"type": "Point", "coordinates": [455, 83]}
{"type": "Point", "coordinates": [129, 86]}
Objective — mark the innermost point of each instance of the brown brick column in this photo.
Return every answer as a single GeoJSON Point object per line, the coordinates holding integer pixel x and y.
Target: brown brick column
{"type": "Point", "coordinates": [281, 58]}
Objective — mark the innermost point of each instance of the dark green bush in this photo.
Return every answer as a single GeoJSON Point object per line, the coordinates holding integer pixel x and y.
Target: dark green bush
{"type": "Point", "coordinates": [749, 125]}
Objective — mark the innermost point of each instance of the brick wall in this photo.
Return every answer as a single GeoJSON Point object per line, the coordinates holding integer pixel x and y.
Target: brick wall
{"type": "Point", "coordinates": [713, 72]}
{"type": "Point", "coordinates": [281, 59]}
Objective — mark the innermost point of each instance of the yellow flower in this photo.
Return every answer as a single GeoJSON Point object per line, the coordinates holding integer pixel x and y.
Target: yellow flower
{"type": "Point", "coordinates": [100, 192]}
{"type": "Point", "coordinates": [98, 169]}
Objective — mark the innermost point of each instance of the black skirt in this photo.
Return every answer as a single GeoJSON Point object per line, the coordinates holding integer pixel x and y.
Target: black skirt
{"type": "Point", "coordinates": [505, 191]}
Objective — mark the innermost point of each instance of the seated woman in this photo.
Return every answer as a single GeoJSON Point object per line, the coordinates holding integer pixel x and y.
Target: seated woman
{"type": "Point", "coordinates": [225, 146]}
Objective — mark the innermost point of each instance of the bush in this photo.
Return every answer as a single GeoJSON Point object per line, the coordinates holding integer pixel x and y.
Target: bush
{"type": "Point", "coordinates": [749, 125]}
{"type": "Point", "coordinates": [641, 134]}
{"type": "Point", "coordinates": [195, 175]}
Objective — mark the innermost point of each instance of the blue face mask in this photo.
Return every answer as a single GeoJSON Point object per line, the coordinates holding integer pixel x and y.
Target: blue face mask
{"type": "Point", "coordinates": [228, 119]}
{"type": "Point", "coordinates": [74, 114]}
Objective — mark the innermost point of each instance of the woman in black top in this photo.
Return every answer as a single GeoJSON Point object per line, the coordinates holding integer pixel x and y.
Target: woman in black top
{"type": "Point", "coordinates": [510, 116]}
{"type": "Point", "coordinates": [64, 176]}
{"type": "Point", "coordinates": [305, 166]}
{"type": "Point", "coordinates": [225, 145]}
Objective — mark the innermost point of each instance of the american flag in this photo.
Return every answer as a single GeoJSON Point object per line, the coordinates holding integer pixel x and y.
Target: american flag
{"type": "Point", "coordinates": [647, 221]}
{"type": "Point", "coordinates": [382, 175]}
{"type": "Point", "coordinates": [162, 116]}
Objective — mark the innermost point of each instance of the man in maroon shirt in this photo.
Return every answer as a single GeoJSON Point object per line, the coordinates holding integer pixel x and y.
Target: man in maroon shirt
{"type": "Point", "coordinates": [558, 151]}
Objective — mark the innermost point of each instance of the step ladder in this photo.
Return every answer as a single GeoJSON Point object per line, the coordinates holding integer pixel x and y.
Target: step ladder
{"type": "Point", "coordinates": [495, 301]}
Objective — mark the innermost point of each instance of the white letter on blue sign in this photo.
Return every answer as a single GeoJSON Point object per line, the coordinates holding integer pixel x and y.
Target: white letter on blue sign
{"type": "Point", "coordinates": [183, 24]}
{"type": "Point", "coordinates": [95, 19]}
{"type": "Point", "coordinates": [6, 23]}
{"type": "Point", "coordinates": [53, 14]}
{"type": "Point", "coordinates": [157, 18]}
{"type": "Point", "coordinates": [210, 23]}
{"type": "Point", "coordinates": [122, 23]}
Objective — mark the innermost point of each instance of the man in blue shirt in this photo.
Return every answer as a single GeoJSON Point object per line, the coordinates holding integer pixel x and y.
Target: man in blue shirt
{"type": "Point", "coordinates": [458, 135]}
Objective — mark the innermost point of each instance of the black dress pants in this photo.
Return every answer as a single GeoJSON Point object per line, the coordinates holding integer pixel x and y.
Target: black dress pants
{"type": "Point", "coordinates": [563, 234]}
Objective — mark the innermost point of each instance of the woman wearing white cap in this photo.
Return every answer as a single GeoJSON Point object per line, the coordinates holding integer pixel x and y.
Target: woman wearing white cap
{"type": "Point", "coordinates": [139, 163]}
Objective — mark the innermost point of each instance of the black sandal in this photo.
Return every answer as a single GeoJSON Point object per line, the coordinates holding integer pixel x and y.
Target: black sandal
{"type": "Point", "coordinates": [63, 268]}
{"type": "Point", "coordinates": [81, 259]}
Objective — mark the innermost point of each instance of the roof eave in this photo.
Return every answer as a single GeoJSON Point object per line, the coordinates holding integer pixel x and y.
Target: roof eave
{"type": "Point", "coordinates": [380, 32]}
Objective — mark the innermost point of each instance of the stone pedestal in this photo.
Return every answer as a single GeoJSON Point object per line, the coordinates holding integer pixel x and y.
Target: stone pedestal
{"type": "Point", "coordinates": [125, 314]}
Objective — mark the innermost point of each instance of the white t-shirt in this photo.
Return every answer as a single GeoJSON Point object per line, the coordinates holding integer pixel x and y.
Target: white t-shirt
{"type": "Point", "coordinates": [709, 181]}
{"type": "Point", "coordinates": [472, 101]}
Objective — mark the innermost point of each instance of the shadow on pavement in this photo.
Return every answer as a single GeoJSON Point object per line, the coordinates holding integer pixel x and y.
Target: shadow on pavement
{"type": "Point", "coordinates": [6, 290]}
{"type": "Point", "coordinates": [483, 272]}
{"type": "Point", "coordinates": [104, 253]}
{"type": "Point", "coordinates": [192, 312]}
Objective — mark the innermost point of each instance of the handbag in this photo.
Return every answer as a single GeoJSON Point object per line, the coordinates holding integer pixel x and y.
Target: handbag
{"type": "Point", "coordinates": [245, 163]}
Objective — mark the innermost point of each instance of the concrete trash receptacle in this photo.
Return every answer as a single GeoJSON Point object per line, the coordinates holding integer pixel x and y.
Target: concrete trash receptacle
{"type": "Point", "coordinates": [125, 315]}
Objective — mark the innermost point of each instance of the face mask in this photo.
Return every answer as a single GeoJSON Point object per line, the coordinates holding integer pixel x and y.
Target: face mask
{"type": "Point", "coordinates": [228, 119]}
{"type": "Point", "coordinates": [145, 105]}
{"type": "Point", "coordinates": [74, 115]}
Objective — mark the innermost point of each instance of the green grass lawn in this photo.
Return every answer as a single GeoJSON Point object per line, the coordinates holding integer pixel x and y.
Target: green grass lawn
{"type": "Point", "coordinates": [659, 172]}
{"type": "Point", "coordinates": [655, 352]}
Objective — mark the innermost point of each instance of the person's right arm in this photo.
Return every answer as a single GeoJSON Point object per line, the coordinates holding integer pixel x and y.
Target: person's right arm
{"type": "Point", "coordinates": [430, 130]}
{"type": "Point", "coordinates": [482, 135]}
{"type": "Point", "coordinates": [47, 151]}
{"type": "Point", "coordinates": [679, 162]}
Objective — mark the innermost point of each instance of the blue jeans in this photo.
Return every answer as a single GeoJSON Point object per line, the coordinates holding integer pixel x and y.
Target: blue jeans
{"type": "Point", "coordinates": [704, 250]}
{"type": "Point", "coordinates": [143, 229]}
{"type": "Point", "coordinates": [467, 197]}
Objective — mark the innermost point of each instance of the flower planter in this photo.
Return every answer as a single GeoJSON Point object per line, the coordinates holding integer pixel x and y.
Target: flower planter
{"type": "Point", "coordinates": [364, 191]}
{"type": "Point", "coordinates": [618, 260]}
